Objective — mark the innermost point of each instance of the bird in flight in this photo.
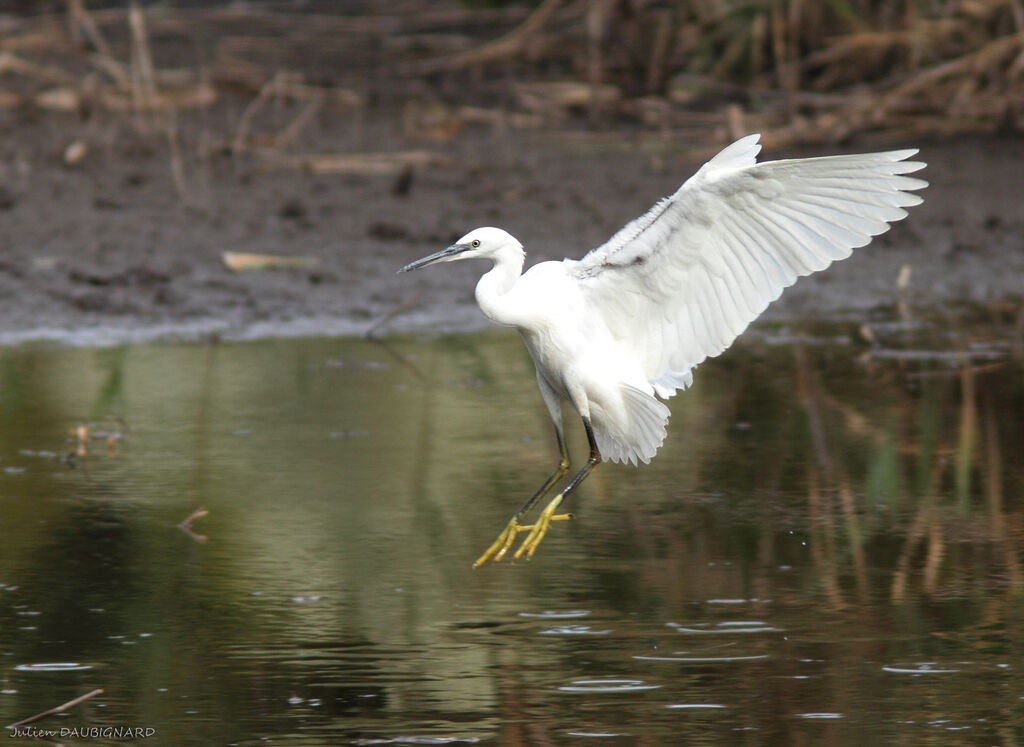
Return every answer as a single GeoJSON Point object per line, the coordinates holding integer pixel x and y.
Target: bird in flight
{"type": "Point", "coordinates": [622, 329]}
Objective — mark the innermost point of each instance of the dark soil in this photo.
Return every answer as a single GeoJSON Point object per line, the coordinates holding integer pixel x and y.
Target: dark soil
{"type": "Point", "coordinates": [109, 250]}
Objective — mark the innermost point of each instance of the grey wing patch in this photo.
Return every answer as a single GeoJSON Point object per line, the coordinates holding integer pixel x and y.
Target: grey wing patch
{"type": "Point", "coordinates": [618, 251]}
{"type": "Point", "coordinates": [632, 245]}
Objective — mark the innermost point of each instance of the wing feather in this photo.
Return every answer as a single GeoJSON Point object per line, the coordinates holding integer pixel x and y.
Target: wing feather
{"type": "Point", "coordinates": [681, 282]}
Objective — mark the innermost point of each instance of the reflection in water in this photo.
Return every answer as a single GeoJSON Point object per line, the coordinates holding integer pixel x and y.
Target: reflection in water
{"type": "Point", "coordinates": [827, 549]}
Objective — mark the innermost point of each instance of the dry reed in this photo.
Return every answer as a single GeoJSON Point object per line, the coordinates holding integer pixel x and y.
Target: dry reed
{"type": "Point", "coordinates": [697, 73]}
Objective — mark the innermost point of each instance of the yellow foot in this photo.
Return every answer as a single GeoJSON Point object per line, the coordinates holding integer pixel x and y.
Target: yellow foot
{"type": "Point", "coordinates": [538, 530]}
{"type": "Point", "coordinates": [536, 533]}
{"type": "Point", "coordinates": [503, 543]}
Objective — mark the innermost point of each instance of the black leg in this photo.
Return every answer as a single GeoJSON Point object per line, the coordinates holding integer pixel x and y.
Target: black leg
{"type": "Point", "coordinates": [560, 471]}
{"type": "Point", "coordinates": [592, 462]}
{"type": "Point", "coordinates": [548, 515]}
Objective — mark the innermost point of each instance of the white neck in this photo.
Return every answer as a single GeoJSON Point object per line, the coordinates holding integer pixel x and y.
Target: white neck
{"type": "Point", "coordinates": [493, 287]}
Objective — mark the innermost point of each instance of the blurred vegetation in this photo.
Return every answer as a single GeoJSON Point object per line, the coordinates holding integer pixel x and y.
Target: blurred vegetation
{"type": "Point", "coordinates": [702, 71]}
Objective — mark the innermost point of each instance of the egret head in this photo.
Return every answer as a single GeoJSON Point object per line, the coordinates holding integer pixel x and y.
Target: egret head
{"type": "Point", "coordinates": [480, 243]}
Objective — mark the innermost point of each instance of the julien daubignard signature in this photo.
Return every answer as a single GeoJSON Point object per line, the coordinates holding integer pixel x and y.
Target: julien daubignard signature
{"type": "Point", "coordinates": [83, 732]}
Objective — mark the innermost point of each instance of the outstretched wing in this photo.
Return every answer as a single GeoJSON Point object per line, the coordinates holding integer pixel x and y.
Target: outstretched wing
{"type": "Point", "coordinates": [682, 281]}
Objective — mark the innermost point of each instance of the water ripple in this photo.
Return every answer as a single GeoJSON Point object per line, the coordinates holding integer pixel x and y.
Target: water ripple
{"type": "Point", "coordinates": [573, 630]}
{"type": "Point", "coordinates": [595, 734]}
{"type": "Point", "coordinates": [924, 667]}
{"type": "Point", "coordinates": [56, 666]}
{"type": "Point", "coordinates": [556, 615]}
{"type": "Point", "coordinates": [702, 659]}
{"type": "Point", "coordinates": [695, 706]}
{"type": "Point", "coordinates": [725, 628]}
{"type": "Point", "coordinates": [821, 715]}
{"type": "Point", "coordinates": [415, 739]}
{"type": "Point", "coordinates": [607, 686]}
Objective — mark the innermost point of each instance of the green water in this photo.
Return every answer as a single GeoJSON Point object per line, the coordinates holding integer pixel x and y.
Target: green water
{"type": "Point", "coordinates": [827, 550]}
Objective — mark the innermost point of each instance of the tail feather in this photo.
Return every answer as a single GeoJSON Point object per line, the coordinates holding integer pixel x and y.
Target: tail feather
{"type": "Point", "coordinates": [637, 439]}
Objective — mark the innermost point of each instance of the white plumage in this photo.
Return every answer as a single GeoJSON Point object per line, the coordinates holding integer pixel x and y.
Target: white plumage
{"type": "Point", "coordinates": [629, 322]}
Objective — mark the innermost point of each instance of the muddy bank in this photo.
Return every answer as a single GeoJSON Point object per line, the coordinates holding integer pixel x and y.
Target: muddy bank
{"type": "Point", "coordinates": [114, 248]}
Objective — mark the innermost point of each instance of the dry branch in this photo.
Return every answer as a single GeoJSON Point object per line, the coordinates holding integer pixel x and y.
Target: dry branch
{"type": "Point", "coordinates": [59, 709]}
{"type": "Point", "coordinates": [186, 525]}
{"type": "Point", "coordinates": [384, 164]}
{"type": "Point", "coordinates": [143, 76]}
{"type": "Point", "coordinates": [11, 63]}
{"type": "Point", "coordinates": [975, 62]}
{"type": "Point", "coordinates": [507, 46]}
{"type": "Point", "coordinates": [79, 18]}
{"type": "Point", "coordinates": [288, 85]}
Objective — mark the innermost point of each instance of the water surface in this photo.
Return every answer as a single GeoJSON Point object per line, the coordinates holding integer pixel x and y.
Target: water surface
{"type": "Point", "coordinates": [827, 549]}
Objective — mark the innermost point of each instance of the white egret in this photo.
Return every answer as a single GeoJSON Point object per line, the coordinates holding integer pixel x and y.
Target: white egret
{"type": "Point", "coordinates": [627, 324]}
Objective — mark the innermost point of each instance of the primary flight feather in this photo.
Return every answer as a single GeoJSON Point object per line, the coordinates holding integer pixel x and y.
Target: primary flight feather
{"type": "Point", "coordinates": [625, 325]}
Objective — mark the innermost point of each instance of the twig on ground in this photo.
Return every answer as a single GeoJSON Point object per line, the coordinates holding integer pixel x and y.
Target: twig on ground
{"type": "Point", "coordinates": [241, 261]}
{"type": "Point", "coordinates": [363, 163]}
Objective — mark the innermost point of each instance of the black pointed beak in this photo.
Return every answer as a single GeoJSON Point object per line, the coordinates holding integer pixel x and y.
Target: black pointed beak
{"type": "Point", "coordinates": [441, 256]}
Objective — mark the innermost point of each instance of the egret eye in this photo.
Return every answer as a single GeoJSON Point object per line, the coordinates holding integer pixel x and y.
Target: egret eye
{"type": "Point", "coordinates": [474, 243]}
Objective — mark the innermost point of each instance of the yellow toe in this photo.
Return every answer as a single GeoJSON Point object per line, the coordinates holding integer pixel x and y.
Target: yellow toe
{"type": "Point", "coordinates": [540, 529]}
{"type": "Point", "coordinates": [501, 545]}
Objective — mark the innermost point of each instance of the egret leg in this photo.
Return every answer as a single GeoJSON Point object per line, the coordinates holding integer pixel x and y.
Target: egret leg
{"type": "Point", "coordinates": [538, 530]}
{"type": "Point", "coordinates": [508, 535]}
